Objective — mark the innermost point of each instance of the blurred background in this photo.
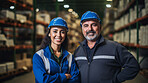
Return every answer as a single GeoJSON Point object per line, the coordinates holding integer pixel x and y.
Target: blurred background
{"type": "Point", "coordinates": [23, 24]}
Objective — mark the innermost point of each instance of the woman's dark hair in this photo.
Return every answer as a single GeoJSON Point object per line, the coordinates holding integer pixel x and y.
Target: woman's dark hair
{"type": "Point", "coordinates": [46, 41]}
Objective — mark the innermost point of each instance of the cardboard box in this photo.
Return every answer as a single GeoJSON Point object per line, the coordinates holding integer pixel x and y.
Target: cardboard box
{"type": "Point", "coordinates": [40, 29]}
{"type": "Point", "coordinates": [20, 64]}
{"type": "Point", "coordinates": [9, 66]}
{"type": "Point", "coordinates": [28, 62]}
{"type": "Point", "coordinates": [2, 68]}
{"type": "Point", "coordinates": [6, 14]}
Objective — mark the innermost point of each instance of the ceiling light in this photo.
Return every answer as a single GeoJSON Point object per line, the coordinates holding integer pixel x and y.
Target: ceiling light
{"type": "Point", "coordinates": [12, 7]}
{"type": "Point", "coordinates": [70, 10]}
{"type": "Point", "coordinates": [60, 0]}
{"type": "Point", "coordinates": [108, 5]}
{"type": "Point", "coordinates": [37, 10]}
{"type": "Point", "coordinates": [66, 6]}
{"type": "Point", "coordinates": [109, 0]}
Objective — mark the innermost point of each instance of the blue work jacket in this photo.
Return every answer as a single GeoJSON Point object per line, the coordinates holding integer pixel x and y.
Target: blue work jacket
{"type": "Point", "coordinates": [47, 70]}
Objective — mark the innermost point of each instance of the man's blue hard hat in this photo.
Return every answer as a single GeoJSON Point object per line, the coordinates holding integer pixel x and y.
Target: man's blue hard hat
{"type": "Point", "coordinates": [58, 22]}
{"type": "Point", "coordinates": [89, 15]}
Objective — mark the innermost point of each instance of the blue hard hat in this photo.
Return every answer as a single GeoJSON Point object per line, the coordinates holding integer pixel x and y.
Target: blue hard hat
{"type": "Point", "coordinates": [89, 15]}
{"type": "Point", "coordinates": [58, 22]}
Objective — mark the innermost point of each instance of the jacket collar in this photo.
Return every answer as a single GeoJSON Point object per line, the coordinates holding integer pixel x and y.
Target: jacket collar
{"type": "Point", "coordinates": [100, 40]}
{"type": "Point", "coordinates": [48, 54]}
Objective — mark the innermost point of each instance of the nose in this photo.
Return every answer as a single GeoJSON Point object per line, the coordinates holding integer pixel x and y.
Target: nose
{"type": "Point", "coordinates": [58, 34]}
{"type": "Point", "coordinates": [89, 27]}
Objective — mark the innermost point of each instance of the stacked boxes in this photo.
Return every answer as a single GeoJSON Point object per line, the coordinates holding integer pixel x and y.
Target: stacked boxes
{"type": "Point", "coordinates": [133, 36]}
{"type": "Point", "coordinates": [40, 29]}
{"type": "Point", "coordinates": [2, 40]}
{"type": "Point", "coordinates": [45, 16]}
{"type": "Point", "coordinates": [28, 62]}
{"type": "Point", "coordinates": [6, 14]}
{"type": "Point", "coordinates": [21, 18]}
{"type": "Point", "coordinates": [74, 32]}
{"type": "Point", "coordinates": [3, 68]}
{"type": "Point", "coordinates": [6, 67]}
{"type": "Point", "coordinates": [20, 64]}
{"type": "Point", "coordinates": [29, 2]}
{"type": "Point", "coordinates": [10, 66]}
{"type": "Point", "coordinates": [143, 32]}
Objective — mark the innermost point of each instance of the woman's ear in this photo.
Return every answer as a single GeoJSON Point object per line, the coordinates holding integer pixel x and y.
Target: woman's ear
{"type": "Point", "coordinates": [49, 34]}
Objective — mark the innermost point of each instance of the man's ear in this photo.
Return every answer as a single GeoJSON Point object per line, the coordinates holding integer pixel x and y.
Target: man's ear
{"type": "Point", "coordinates": [49, 34]}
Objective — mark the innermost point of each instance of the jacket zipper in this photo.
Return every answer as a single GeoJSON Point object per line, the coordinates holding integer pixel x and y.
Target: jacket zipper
{"type": "Point", "coordinates": [87, 59]}
{"type": "Point", "coordinates": [88, 62]}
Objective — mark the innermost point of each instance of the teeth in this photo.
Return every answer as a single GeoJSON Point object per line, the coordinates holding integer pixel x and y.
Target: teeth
{"type": "Point", "coordinates": [58, 39]}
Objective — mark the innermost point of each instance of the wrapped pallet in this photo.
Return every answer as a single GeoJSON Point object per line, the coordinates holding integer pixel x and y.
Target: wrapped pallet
{"type": "Point", "coordinates": [39, 18]}
{"type": "Point", "coordinates": [40, 29]}
{"type": "Point", "coordinates": [9, 42]}
{"type": "Point", "coordinates": [28, 62]}
{"type": "Point", "coordinates": [20, 64]}
{"type": "Point", "coordinates": [2, 40]}
{"type": "Point", "coordinates": [2, 68]}
{"type": "Point", "coordinates": [6, 14]}
{"type": "Point", "coordinates": [21, 18]}
{"type": "Point", "coordinates": [30, 2]}
{"type": "Point", "coordinates": [9, 66]}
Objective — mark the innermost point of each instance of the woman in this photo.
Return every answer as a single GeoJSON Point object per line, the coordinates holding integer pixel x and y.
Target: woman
{"type": "Point", "coordinates": [52, 63]}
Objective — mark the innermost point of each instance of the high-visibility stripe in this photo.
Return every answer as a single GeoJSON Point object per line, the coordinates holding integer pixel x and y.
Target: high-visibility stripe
{"type": "Point", "coordinates": [69, 58]}
{"type": "Point", "coordinates": [104, 57]}
{"type": "Point", "coordinates": [45, 60]}
{"type": "Point", "coordinates": [80, 58]}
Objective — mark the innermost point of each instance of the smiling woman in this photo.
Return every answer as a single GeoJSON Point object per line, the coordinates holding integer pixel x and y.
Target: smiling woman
{"type": "Point", "coordinates": [53, 63]}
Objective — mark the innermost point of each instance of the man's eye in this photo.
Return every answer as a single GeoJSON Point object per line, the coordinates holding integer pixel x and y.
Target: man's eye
{"type": "Point", "coordinates": [85, 25]}
{"type": "Point", "coordinates": [94, 24]}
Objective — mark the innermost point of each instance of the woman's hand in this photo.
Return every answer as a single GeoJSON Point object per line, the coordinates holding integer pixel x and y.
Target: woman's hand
{"type": "Point", "coordinates": [68, 76]}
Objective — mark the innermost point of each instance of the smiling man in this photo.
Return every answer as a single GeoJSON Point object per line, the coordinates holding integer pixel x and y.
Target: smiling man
{"type": "Point", "coordinates": [100, 60]}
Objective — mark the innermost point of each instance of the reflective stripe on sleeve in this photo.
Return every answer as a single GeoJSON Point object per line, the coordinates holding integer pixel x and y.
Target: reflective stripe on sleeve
{"type": "Point", "coordinates": [69, 58]}
{"type": "Point", "coordinates": [45, 60]}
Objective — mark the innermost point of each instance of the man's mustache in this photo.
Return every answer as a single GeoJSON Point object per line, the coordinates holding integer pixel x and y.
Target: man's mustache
{"type": "Point", "coordinates": [90, 32]}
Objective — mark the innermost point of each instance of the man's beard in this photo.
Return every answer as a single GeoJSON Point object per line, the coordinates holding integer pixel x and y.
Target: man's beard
{"type": "Point", "coordinates": [93, 38]}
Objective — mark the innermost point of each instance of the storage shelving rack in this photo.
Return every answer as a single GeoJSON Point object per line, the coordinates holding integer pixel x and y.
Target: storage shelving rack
{"type": "Point", "coordinates": [13, 50]}
{"type": "Point", "coordinates": [135, 24]}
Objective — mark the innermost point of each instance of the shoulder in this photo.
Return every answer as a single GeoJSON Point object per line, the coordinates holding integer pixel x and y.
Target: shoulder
{"type": "Point", "coordinates": [39, 54]}
{"type": "Point", "coordinates": [112, 43]}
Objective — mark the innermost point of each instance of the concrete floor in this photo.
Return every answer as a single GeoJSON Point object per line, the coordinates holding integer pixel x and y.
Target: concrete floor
{"type": "Point", "coordinates": [23, 78]}
{"type": "Point", "coordinates": [29, 78]}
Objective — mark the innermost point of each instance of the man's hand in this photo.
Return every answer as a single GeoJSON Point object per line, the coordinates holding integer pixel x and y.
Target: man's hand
{"type": "Point", "coordinates": [68, 76]}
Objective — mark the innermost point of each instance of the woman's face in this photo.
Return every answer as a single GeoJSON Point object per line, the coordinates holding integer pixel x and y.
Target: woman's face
{"type": "Point", "coordinates": [57, 35]}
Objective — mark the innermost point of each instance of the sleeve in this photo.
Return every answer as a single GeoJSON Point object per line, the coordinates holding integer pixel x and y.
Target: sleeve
{"type": "Point", "coordinates": [41, 75]}
{"type": "Point", "coordinates": [74, 72]}
{"type": "Point", "coordinates": [130, 66]}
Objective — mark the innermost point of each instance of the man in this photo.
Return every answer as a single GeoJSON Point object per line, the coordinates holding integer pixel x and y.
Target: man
{"type": "Point", "coordinates": [100, 60]}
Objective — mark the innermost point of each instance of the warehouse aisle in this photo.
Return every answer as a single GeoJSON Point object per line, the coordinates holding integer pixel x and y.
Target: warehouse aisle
{"type": "Point", "coordinates": [25, 78]}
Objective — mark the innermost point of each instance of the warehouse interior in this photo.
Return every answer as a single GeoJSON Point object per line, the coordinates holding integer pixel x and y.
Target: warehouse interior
{"type": "Point", "coordinates": [23, 24]}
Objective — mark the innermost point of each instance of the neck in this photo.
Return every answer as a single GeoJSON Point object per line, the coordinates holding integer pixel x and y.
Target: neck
{"type": "Point", "coordinates": [56, 48]}
{"type": "Point", "coordinates": [91, 44]}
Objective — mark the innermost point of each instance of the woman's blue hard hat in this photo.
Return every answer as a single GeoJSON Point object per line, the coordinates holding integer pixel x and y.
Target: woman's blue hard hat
{"type": "Point", "coordinates": [58, 22]}
{"type": "Point", "coordinates": [89, 15]}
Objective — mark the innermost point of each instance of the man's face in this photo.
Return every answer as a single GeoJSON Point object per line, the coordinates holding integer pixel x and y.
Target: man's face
{"type": "Point", "coordinates": [91, 29]}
